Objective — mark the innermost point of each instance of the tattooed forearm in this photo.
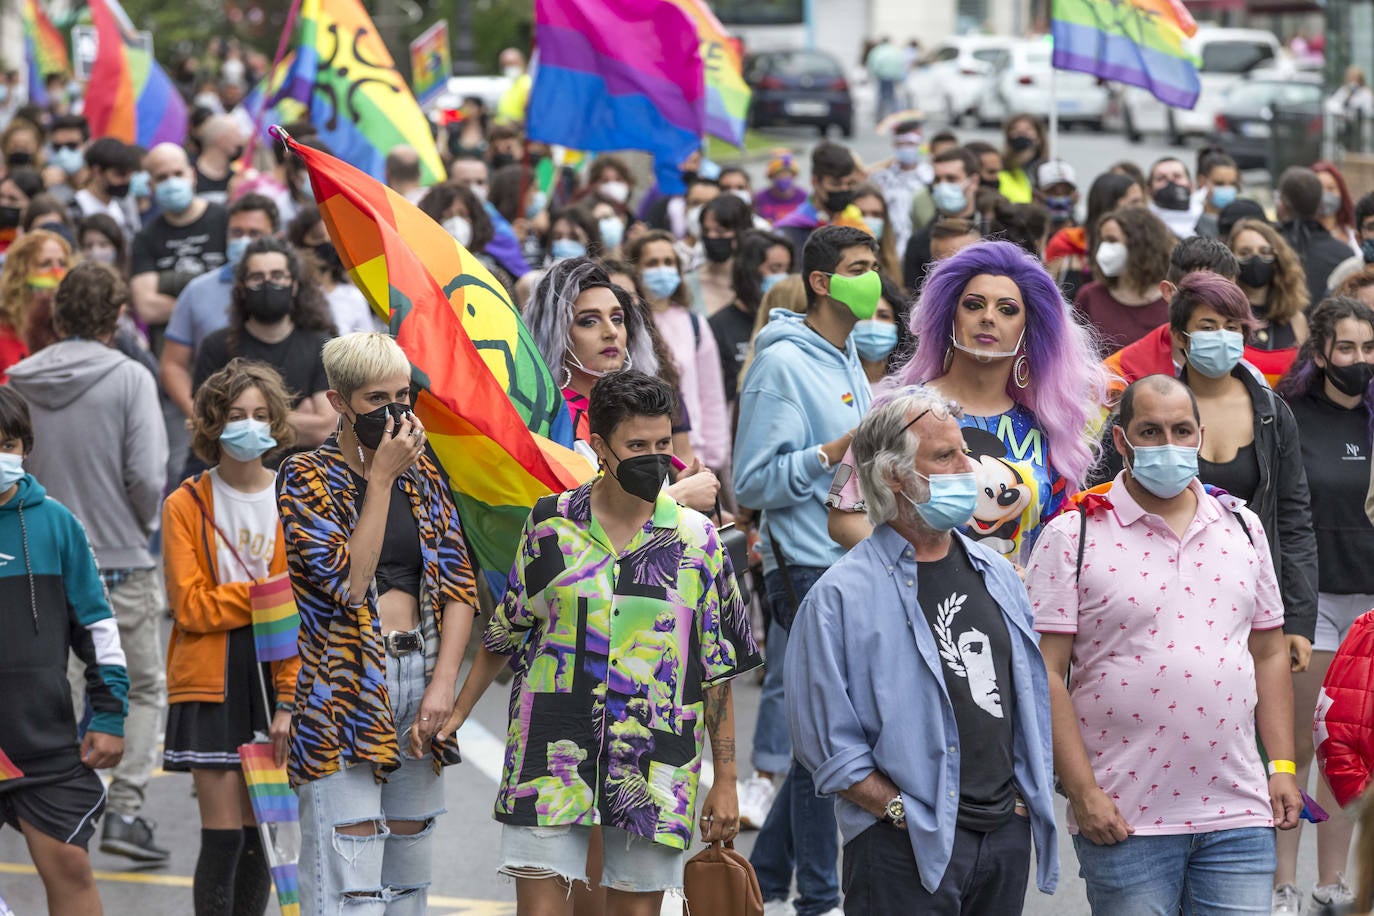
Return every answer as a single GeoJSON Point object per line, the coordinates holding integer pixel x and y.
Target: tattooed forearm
{"type": "Point", "coordinates": [720, 724]}
{"type": "Point", "coordinates": [723, 750]}
{"type": "Point", "coordinates": [717, 701]}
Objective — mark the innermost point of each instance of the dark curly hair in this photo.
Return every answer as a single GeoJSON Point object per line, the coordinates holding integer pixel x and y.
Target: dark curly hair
{"type": "Point", "coordinates": [1149, 243]}
{"type": "Point", "coordinates": [88, 302]}
{"type": "Point", "coordinates": [441, 197]}
{"type": "Point", "coordinates": [217, 394]}
{"type": "Point", "coordinates": [309, 308]}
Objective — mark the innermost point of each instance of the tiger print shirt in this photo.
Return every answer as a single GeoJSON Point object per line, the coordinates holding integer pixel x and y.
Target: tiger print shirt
{"type": "Point", "coordinates": [342, 712]}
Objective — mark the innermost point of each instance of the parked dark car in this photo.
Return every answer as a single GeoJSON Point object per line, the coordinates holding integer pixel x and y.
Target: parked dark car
{"type": "Point", "coordinates": [1252, 110]}
{"type": "Point", "coordinates": [799, 87]}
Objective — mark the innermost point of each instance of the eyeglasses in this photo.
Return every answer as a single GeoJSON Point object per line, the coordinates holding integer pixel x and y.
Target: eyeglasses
{"type": "Point", "coordinates": [941, 412]}
{"type": "Point", "coordinates": [256, 279]}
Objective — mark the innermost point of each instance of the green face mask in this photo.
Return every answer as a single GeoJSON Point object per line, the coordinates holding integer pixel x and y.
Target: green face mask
{"type": "Point", "coordinates": [860, 293]}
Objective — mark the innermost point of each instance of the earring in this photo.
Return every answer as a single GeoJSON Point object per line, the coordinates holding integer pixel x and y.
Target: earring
{"type": "Point", "coordinates": [949, 359]}
{"type": "Point", "coordinates": [629, 363]}
{"type": "Point", "coordinates": [1020, 371]}
{"type": "Point", "coordinates": [567, 378]}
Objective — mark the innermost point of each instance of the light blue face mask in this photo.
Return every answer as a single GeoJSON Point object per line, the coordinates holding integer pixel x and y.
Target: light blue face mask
{"type": "Point", "coordinates": [953, 497]}
{"type": "Point", "coordinates": [769, 281]}
{"type": "Point", "coordinates": [246, 439]}
{"type": "Point", "coordinates": [562, 249]}
{"type": "Point", "coordinates": [661, 282]}
{"type": "Point", "coordinates": [11, 470]}
{"type": "Point", "coordinates": [875, 225]}
{"type": "Point", "coordinates": [70, 161]}
{"type": "Point", "coordinates": [174, 194]}
{"type": "Point", "coordinates": [538, 202]}
{"type": "Point", "coordinates": [1223, 196]}
{"type": "Point", "coordinates": [875, 340]}
{"type": "Point", "coordinates": [949, 198]}
{"type": "Point", "coordinates": [1215, 353]}
{"type": "Point", "coordinates": [234, 248]}
{"type": "Point", "coordinates": [612, 231]}
{"type": "Point", "coordinates": [1164, 470]}
{"type": "Point", "coordinates": [140, 184]}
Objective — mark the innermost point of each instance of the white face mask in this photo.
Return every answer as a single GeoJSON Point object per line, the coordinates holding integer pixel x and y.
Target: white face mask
{"type": "Point", "coordinates": [617, 191]}
{"type": "Point", "coordinates": [513, 72]}
{"type": "Point", "coordinates": [460, 228]}
{"type": "Point", "coordinates": [743, 194]}
{"type": "Point", "coordinates": [1111, 258]}
{"type": "Point", "coordinates": [694, 222]}
{"type": "Point", "coordinates": [479, 191]}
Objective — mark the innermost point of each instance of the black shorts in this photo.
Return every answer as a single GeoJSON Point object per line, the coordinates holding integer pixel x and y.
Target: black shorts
{"type": "Point", "coordinates": [66, 808]}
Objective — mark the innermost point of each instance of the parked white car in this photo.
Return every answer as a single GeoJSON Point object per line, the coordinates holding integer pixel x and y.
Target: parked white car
{"type": "Point", "coordinates": [1226, 56]}
{"type": "Point", "coordinates": [1024, 85]}
{"type": "Point", "coordinates": [952, 79]}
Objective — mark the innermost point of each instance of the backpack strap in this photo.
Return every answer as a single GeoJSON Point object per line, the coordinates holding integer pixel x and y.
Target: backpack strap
{"type": "Point", "coordinates": [205, 511]}
{"type": "Point", "coordinates": [1082, 540]}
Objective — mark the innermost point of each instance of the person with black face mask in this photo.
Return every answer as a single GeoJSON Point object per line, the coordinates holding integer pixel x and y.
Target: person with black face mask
{"type": "Point", "coordinates": [1272, 278]}
{"type": "Point", "coordinates": [1171, 196]}
{"type": "Point", "coordinates": [277, 315]}
{"type": "Point", "coordinates": [1328, 389]}
{"type": "Point", "coordinates": [834, 176]}
{"type": "Point", "coordinates": [111, 164]}
{"type": "Point", "coordinates": [723, 221]}
{"type": "Point", "coordinates": [347, 305]}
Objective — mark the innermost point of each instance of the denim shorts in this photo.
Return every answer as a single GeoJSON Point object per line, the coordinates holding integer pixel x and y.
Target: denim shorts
{"type": "Point", "coordinates": [629, 862]}
{"type": "Point", "coordinates": [383, 873]}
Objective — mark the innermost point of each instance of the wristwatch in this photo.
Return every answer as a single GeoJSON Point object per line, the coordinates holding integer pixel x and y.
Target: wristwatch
{"type": "Point", "coordinates": [895, 813]}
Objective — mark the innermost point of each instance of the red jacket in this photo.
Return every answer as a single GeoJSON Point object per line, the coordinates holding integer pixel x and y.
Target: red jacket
{"type": "Point", "coordinates": [1343, 726]}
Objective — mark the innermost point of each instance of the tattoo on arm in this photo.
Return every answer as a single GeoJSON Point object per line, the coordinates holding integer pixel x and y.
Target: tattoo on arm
{"type": "Point", "coordinates": [717, 701]}
{"type": "Point", "coordinates": [723, 750]}
{"type": "Point", "coordinates": [720, 723]}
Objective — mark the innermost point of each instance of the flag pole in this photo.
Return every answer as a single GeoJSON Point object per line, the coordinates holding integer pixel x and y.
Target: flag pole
{"type": "Point", "coordinates": [1054, 113]}
{"type": "Point", "coordinates": [282, 43]}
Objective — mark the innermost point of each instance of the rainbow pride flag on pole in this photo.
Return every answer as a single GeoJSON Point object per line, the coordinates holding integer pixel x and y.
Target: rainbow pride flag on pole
{"type": "Point", "coordinates": [494, 416]}
{"type": "Point", "coordinates": [130, 97]}
{"type": "Point", "coordinates": [343, 75]}
{"type": "Point", "coordinates": [1137, 42]}
{"type": "Point", "coordinates": [274, 806]}
{"type": "Point", "coordinates": [619, 74]}
{"type": "Point", "coordinates": [45, 49]}
{"type": "Point", "coordinates": [727, 94]}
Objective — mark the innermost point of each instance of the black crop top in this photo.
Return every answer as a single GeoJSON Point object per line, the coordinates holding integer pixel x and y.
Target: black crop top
{"type": "Point", "coordinates": [1240, 476]}
{"type": "Point", "coordinates": [400, 565]}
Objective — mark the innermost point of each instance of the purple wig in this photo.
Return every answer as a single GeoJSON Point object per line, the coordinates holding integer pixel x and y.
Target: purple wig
{"type": "Point", "coordinates": [1068, 383]}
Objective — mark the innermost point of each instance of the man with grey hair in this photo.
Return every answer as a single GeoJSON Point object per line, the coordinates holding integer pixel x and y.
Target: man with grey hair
{"type": "Point", "coordinates": [915, 690]}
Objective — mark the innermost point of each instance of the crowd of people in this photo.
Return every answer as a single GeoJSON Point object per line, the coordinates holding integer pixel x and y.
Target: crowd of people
{"type": "Point", "coordinates": [1020, 483]}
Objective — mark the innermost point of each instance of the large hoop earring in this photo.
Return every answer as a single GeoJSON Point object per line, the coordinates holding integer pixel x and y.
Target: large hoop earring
{"type": "Point", "coordinates": [629, 363]}
{"type": "Point", "coordinates": [567, 378]}
{"type": "Point", "coordinates": [1020, 371]}
{"type": "Point", "coordinates": [949, 359]}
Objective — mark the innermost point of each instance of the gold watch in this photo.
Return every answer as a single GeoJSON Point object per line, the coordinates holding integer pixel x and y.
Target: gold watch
{"type": "Point", "coordinates": [895, 813]}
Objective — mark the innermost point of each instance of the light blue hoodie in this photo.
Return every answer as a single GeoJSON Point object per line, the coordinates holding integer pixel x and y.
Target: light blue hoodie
{"type": "Point", "coordinates": [800, 392]}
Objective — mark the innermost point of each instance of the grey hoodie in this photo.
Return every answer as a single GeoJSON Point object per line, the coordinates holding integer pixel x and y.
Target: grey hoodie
{"type": "Point", "coordinates": [100, 446]}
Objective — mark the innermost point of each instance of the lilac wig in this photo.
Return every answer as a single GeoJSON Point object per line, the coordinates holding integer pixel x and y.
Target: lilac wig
{"type": "Point", "coordinates": [1067, 380]}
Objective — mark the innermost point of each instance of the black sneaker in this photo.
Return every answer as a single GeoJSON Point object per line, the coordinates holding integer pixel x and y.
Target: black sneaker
{"type": "Point", "coordinates": [131, 837]}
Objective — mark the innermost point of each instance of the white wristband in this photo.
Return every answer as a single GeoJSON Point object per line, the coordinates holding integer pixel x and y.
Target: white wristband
{"type": "Point", "coordinates": [824, 458]}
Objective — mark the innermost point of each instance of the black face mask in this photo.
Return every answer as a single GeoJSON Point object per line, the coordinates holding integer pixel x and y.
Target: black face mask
{"type": "Point", "coordinates": [1173, 196]}
{"type": "Point", "coordinates": [370, 427]}
{"type": "Point", "coordinates": [1021, 144]}
{"type": "Point", "coordinates": [329, 257]}
{"type": "Point", "coordinates": [268, 303]}
{"type": "Point", "coordinates": [19, 159]}
{"type": "Point", "coordinates": [718, 251]}
{"type": "Point", "coordinates": [118, 191]}
{"type": "Point", "coordinates": [689, 177]}
{"type": "Point", "coordinates": [1256, 271]}
{"type": "Point", "coordinates": [501, 160]}
{"type": "Point", "coordinates": [836, 201]}
{"type": "Point", "coordinates": [642, 475]}
{"type": "Point", "coordinates": [10, 217]}
{"type": "Point", "coordinates": [1351, 380]}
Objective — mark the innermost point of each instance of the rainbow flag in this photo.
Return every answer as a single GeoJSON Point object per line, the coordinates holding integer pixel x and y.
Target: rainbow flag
{"type": "Point", "coordinates": [45, 49]}
{"type": "Point", "coordinates": [274, 806]}
{"type": "Point", "coordinates": [342, 74]}
{"type": "Point", "coordinates": [1137, 42]}
{"type": "Point", "coordinates": [276, 622]}
{"type": "Point", "coordinates": [619, 74]}
{"type": "Point", "coordinates": [8, 770]}
{"type": "Point", "coordinates": [727, 94]}
{"type": "Point", "coordinates": [494, 415]}
{"type": "Point", "coordinates": [129, 96]}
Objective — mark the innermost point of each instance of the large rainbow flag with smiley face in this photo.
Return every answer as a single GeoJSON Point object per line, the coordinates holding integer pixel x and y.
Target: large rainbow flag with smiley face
{"type": "Point", "coordinates": [495, 417]}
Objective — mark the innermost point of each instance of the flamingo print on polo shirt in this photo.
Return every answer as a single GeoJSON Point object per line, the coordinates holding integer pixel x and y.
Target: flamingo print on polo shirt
{"type": "Point", "coordinates": [1162, 680]}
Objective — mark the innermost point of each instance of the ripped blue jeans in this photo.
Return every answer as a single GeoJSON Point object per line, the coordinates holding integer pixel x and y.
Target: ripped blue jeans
{"type": "Point", "coordinates": [384, 873]}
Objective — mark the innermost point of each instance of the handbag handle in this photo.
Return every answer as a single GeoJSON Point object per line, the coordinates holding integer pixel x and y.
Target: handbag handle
{"type": "Point", "coordinates": [205, 511]}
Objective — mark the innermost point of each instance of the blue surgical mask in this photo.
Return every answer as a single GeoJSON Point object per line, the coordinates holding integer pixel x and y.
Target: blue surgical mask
{"type": "Point", "coordinates": [11, 470]}
{"type": "Point", "coordinates": [1223, 196]}
{"type": "Point", "coordinates": [562, 249]}
{"type": "Point", "coordinates": [875, 225]}
{"type": "Point", "coordinates": [70, 161]}
{"type": "Point", "coordinates": [661, 282]}
{"type": "Point", "coordinates": [875, 340]}
{"type": "Point", "coordinates": [949, 198]}
{"type": "Point", "coordinates": [175, 194]}
{"type": "Point", "coordinates": [953, 497]}
{"type": "Point", "coordinates": [234, 248]}
{"type": "Point", "coordinates": [140, 184]}
{"type": "Point", "coordinates": [612, 231]}
{"type": "Point", "coordinates": [538, 202]}
{"type": "Point", "coordinates": [769, 281]}
{"type": "Point", "coordinates": [246, 439]}
{"type": "Point", "coordinates": [1164, 470]}
{"type": "Point", "coordinates": [1215, 353]}
{"type": "Point", "coordinates": [909, 155]}
{"type": "Point", "coordinates": [1059, 207]}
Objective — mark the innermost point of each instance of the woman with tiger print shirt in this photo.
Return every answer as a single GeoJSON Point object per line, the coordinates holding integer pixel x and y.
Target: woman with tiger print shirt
{"type": "Point", "coordinates": [387, 598]}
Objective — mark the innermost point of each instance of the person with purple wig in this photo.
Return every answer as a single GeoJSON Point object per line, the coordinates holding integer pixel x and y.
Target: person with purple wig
{"type": "Point", "coordinates": [1328, 389]}
{"type": "Point", "coordinates": [993, 334]}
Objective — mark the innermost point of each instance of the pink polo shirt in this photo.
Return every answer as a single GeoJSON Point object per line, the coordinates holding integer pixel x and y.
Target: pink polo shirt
{"type": "Point", "coordinates": [1162, 680]}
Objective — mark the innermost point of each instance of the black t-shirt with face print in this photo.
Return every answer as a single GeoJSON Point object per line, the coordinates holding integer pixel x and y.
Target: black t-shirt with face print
{"type": "Point", "coordinates": [975, 659]}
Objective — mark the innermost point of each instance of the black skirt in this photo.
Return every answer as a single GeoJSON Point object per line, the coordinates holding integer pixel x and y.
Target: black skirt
{"type": "Point", "coordinates": [206, 736]}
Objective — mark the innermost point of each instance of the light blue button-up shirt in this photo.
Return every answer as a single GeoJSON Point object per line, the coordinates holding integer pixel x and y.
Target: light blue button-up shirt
{"type": "Point", "coordinates": [865, 691]}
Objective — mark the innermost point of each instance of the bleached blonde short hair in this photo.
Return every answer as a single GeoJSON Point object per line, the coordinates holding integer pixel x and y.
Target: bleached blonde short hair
{"type": "Point", "coordinates": [356, 360]}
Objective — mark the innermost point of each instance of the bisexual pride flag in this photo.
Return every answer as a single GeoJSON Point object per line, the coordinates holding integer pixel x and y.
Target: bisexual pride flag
{"type": "Point", "coordinates": [1137, 42]}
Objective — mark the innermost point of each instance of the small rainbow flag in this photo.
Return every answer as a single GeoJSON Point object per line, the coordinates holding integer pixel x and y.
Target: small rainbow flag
{"type": "Point", "coordinates": [276, 621]}
{"type": "Point", "coordinates": [493, 413]}
{"type": "Point", "coordinates": [7, 768]}
{"type": "Point", "coordinates": [274, 806]}
{"type": "Point", "coordinates": [45, 49]}
{"type": "Point", "coordinates": [1137, 42]}
{"type": "Point", "coordinates": [129, 96]}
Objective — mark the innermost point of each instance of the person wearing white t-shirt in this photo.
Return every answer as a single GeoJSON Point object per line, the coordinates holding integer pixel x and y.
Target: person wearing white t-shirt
{"type": "Point", "coordinates": [112, 164]}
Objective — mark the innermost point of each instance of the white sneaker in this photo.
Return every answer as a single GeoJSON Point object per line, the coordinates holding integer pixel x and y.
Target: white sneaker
{"type": "Point", "coordinates": [1333, 894]}
{"type": "Point", "coordinates": [778, 908]}
{"type": "Point", "coordinates": [755, 799]}
{"type": "Point", "coordinates": [1286, 902]}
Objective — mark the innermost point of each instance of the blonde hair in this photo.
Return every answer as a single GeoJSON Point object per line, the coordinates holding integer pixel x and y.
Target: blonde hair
{"type": "Point", "coordinates": [15, 294]}
{"type": "Point", "coordinates": [790, 294]}
{"type": "Point", "coordinates": [357, 359]}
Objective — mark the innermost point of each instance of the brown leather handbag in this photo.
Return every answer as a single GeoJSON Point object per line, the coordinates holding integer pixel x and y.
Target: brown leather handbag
{"type": "Point", "coordinates": [720, 882]}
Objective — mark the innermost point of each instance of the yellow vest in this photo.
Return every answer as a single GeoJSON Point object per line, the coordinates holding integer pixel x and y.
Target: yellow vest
{"type": "Point", "coordinates": [1015, 186]}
